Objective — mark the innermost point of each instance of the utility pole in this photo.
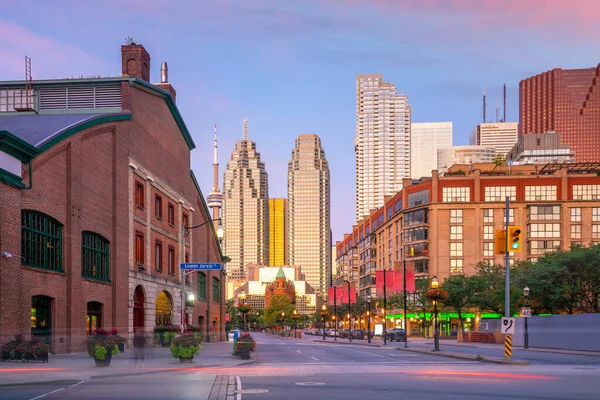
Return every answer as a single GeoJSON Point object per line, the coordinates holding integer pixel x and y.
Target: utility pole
{"type": "Point", "coordinates": [507, 338]}
{"type": "Point", "coordinates": [384, 306]}
{"type": "Point", "coordinates": [405, 327]}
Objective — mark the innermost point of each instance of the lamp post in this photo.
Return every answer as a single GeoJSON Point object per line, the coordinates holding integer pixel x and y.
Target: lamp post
{"type": "Point", "coordinates": [334, 327]}
{"type": "Point", "coordinates": [349, 314]}
{"type": "Point", "coordinates": [436, 333]}
{"type": "Point", "coordinates": [282, 322]}
{"type": "Point", "coordinates": [526, 294]}
{"type": "Point", "coordinates": [295, 317]}
{"type": "Point", "coordinates": [369, 318]}
{"type": "Point", "coordinates": [184, 274]}
{"type": "Point", "coordinates": [243, 301]}
{"type": "Point", "coordinates": [324, 315]}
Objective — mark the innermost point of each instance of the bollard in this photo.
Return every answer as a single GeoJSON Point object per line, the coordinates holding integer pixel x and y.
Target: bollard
{"type": "Point", "coordinates": [508, 347]}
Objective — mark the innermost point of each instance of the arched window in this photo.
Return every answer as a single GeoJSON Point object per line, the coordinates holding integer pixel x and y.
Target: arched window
{"type": "Point", "coordinates": [95, 257]}
{"type": "Point", "coordinates": [201, 286]}
{"type": "Point", "coordinates": [41, 241]}
{"type": "Point", "coordinates": [216, 289]}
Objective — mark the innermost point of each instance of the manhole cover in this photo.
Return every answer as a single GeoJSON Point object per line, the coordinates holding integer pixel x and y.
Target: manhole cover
{"type": "Point", "coordinates": [252, 391]}
{"type": "Point", "coordinates": [310, 383]}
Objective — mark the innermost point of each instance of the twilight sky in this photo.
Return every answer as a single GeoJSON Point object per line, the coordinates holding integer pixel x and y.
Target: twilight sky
{"type": "Point", "coordinates": [289, 66]}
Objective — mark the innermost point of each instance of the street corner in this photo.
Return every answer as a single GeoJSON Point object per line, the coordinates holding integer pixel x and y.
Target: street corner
{"type": "Point", "coordinates": [463, 356]}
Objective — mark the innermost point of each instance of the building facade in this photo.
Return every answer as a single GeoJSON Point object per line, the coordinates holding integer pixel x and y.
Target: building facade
{"type": "Point", "coordinates": [540, 148]}
{"type": "Point", "coordinates": [449, 156]}
{"type": "Point", "coordinates": [245, 211]}
{"type": "Point", "coordinates": [309, 214]}
{"type": "Point", "coordinates": [425, 140]}
{"type": "Point", "coordinates": [95, 187]}
{"type": "Point", "coordinates": [382, 142]}
{"type": "Point", "coordinates": [500, 136]}
{"type": "Point", "coordinates": [445, 225]}
{"type": "Point", "coordinates": [566, 101]}
{"type": "Point", "coordinates": [278, 239]}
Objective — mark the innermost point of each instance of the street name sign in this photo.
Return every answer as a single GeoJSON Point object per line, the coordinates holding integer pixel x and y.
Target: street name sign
{"type": "Point", "coordinates": [508, 326]}
{"type": "Point", "coordinates": [200, 266]}
{"type": "Point", "coordinates": [525, 311]}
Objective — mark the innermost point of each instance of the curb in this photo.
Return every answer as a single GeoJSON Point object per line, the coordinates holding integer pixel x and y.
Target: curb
{"type": "Point", "coordinates": [463, 357]}
{"type": "Point", "coordinates": [348, 343]}
{"type": "Point", "coordinates": [48, 382]}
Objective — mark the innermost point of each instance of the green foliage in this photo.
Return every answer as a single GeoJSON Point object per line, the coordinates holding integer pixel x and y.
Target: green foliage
{"type": "Point", "coordinates": [279, 303]}
{"type": "Point", "coordinates": [499, 159]}
{"type": "Point", "coordinates": [186, 345]}
{"type": "Point", "coordinates": [462, 291]}
{"type": "Point", "coordinates": [101, 342]}
{"type": "Point", "coordinates": [245, 341]}
{"type": "Point", "coordinates": [100, 352]}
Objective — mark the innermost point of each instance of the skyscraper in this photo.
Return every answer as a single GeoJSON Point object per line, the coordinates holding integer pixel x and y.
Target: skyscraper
{"type": "Point", "coordinates": [278, 241]}
{"type": "Point", "coordinates": [425, 140]}
{"type": "Point", "coordinates": [382, 142]}
{"type": "Point", "coordinates": [500, 136]}
{"type": "Point", "coordinates": [565, 101]}
{"type": "Point", "coordinates": [245, 210]}
{"type": "Point", "coordinates": [309, 211]}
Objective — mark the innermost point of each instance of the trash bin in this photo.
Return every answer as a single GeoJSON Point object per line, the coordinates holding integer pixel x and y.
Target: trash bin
{"type": "Point", "coordinates": [235, 336]}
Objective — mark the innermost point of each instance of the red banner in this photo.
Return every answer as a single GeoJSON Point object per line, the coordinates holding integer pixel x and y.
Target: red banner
{"type": "Point", "coordinates": [395, 281]}
{"type": "Point", "coordinates": [341, 294]}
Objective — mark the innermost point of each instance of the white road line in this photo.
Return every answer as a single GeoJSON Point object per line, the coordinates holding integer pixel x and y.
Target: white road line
{"type": "Point", "coordinates": [289, 347]}
{"type": "Point", "coordinates": [239, 388]}
{"type": "Point", "coordinates": [315, 358]}
{"type": "Point", "coordinates": [78, 383]}
{"type": "Point", "coordinates": [363, 352]}
{"type": "Point", "coordinates": [44, 395]}
{"type": "Point", "coordinates": [298, 351]}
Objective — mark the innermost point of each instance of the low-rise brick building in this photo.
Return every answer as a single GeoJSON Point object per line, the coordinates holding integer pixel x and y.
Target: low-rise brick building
{"type": "Point", "coordinates": [95, 191]}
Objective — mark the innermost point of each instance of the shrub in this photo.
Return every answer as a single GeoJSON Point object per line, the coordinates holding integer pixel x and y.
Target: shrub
{"type": "Point", "coordinates": [186, 345]}
{"type": "Point", "coordinates": [99, 343]}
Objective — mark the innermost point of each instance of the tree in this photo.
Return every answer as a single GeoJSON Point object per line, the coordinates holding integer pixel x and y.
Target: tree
{"type": "Point", "coordinates": [279, 303]}
{"type": "Point", "coordinates": [462, 291]}
{"type": "Point", "coordinates": [499, 159]}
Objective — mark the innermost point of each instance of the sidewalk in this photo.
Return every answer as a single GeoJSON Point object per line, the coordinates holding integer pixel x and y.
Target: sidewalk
{"type": "Point", "coordinates": [77, 367]}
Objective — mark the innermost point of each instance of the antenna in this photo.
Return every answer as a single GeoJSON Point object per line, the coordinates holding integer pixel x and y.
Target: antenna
{"type": "Point", "coordinates": [27, 105]}
{"type": "Point", "coordinates": [504, 119]}
{"type": "Point", "coordinates": [484, 106]}
{"type": "Point", "coordinates": [497, 110]}
{"type": "Point", "coordinates": [245, 129]}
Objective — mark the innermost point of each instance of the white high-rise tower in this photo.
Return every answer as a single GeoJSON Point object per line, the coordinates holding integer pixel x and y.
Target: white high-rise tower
{"type": "Point", "coordinates": [215, 198]}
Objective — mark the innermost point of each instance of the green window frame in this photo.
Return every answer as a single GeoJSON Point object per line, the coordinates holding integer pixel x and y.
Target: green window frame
{"type": "Point", "coordinates": [95, 257]}
{"type": "Point", "coordinates": [216, 290]}
{"type": "Point", "coordinates": [201, 286]}
{"type": "Point", "coordinates": [41, 241]}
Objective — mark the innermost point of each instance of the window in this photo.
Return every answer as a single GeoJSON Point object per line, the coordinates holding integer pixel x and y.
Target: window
{"type": "Point", "coordinates": [418, 198]}
{"type": "Point", "coordinates": [41, 241]}
{"type": "Point", "coordinates": [186, 220]}
{"type": "Point", "coordinates": [499, 193]}
{"type": "Point", "coordinates": [456, 216]}
{"type": "Point", "coordinates": [139, 195]}
{"type": "Point", "coordinates": [415, 218]}
{"type": "Point", "coordinates": [595, 231]}
{"type": "Point", "coordinates": [540, 193]}
{"type": "Point", "coordinates": [201, 286]}
{"type": "Point", "coordinates": [488, 249]}
{"type": "Point", "coordinates": [544, 230]}
{"type": "Point", "coordinates": [171, 260]}
{"type": "Point", "coordinates": [488, 215]}
{"type": "Point", "coordinates": [540, 247]}
{"type": "Point", "coordinates": [576, 214]}
{"type": "Point", "coordinates": [575, 231]}
{"type": "Point", "coordinates": [95, 257]}
{"type": "Point", "coordinates": [412, 235]}
{"type": "Point", "coordinates": [456, 249]}
{"type": "Point", "coordinates": [216, 289]}
{"type": "Point", "coordinates": [456, 232]}
{"type": "Point", "coordinates": [544, 213]}
{"type": "Point", "coordinates": [456, 266]}
{"type": "Point", "coordinates": [171, 214]}
{"type": "Point", "coordinates": [488, 232]}
{"type": "Point", "coordinates": [140, 248]}
{"type": "Point", "coordinates": [596, 214]}
{"type": "Point", "coordinates": [158, 207]}
{"type": "Point", "coordinates": [456, 194]}
{"type": "Point", "coordinates": [586, 192]}
{"type": "Point", "coordinates": [158, 256]}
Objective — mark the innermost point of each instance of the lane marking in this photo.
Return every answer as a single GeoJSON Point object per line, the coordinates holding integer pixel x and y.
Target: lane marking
{"type": "Point", "coordinates": [314, 358]}
{"type": "Point", "coordinates": [364, 352]}
{"type": "Point", "coordinates": [78, 383]}
{"type": "Point", "coordinates": [239, 388]}
{"type": "Point", "coordinates": [298, 351]}
{"type": "Point", "coordinates": [49, 393]}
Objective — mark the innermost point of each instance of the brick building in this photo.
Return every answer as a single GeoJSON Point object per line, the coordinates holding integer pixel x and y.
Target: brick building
{"type": "Point", "coordinates": [566, 101]}
{"type": "Point", "coordinates": [445, 225]}
{"type": "Point", "coordinates": [95, 189]}
{"type": "Point", "coordinates": [281, 285]}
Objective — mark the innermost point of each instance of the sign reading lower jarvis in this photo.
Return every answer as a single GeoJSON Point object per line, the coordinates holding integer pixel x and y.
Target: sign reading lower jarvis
{"type": "Point", "coordinates": [199, 267]}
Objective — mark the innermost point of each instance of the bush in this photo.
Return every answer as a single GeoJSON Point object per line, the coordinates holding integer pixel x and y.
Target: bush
{"type": "Point", "coordinates": [99, 343]}
{"type": "Point", "coordinates": [186, 345]}
{"type": "Point", "coordinates": [245, 342]}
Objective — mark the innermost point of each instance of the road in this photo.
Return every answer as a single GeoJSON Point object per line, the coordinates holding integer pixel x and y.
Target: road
{"type": "Point", "coordinates": [303, 369]}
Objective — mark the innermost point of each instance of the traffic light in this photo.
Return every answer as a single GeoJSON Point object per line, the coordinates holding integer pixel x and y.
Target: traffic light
{"type": "Point", "coordinates": [499, 241]}
{"type": "Point", "coordinates": [515, 234]}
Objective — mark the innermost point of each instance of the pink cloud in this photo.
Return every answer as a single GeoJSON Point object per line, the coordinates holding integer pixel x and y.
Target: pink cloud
{"type": "Point", "coordinates": [50, 57]}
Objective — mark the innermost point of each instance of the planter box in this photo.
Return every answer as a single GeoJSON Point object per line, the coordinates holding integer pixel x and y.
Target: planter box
{"type": "Point", "coordinates": [105, 362]}
{"type": "Point", "coordinates": [27, 357]}
{"type": "Point", "coordinates": [186, 360]}
{"type": "Point", "coordinates": [245, 353]}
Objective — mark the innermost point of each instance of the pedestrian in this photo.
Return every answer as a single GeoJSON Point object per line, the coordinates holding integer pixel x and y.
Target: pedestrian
{"type": "Point", "coordinates": [139, 344]}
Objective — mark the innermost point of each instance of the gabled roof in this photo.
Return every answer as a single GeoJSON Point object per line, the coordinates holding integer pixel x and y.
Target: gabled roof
{"type": "Point", "coordinates": [280, 274]}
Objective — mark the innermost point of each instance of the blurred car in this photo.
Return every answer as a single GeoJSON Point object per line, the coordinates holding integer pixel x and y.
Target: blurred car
{"type": "Point", "coordinates": [396, 334]}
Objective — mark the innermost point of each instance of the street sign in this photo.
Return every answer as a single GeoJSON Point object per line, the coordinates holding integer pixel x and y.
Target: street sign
{"type": "Point", "coordinates": [525, 311]}
{"type": "Point", "coordinates": [508, 326]}
{"type": "Point", "coordinates": [199, 266]}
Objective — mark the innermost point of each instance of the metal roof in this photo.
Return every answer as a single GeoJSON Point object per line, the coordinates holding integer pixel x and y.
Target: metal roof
{"type": "Point", "coordinates": [39, 129]}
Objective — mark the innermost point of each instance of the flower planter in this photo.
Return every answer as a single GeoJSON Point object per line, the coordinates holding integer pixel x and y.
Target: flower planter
{"type": "Point", "coordinates": [43, 357]}
{"type": "Point", "coordinates": [245, 353]}
{"type": "Point", "coordinates": [186, 360]}
{"type": "Point", "coordinates": [105, 362]}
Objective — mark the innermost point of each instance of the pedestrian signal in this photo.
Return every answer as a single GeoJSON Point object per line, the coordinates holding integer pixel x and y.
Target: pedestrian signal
{"type": "Point", "coordinates": [515, 235]}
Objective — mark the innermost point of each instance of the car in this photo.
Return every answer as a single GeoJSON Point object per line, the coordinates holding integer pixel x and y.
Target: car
{"type": "Point", "coordinates": [397, 334]}
{"type": "Point", "coordinates": [358, 334]}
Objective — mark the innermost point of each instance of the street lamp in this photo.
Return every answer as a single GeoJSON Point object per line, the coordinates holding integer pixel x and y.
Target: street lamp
{"type": "Point", "coordinates": [369, 318]}
{"type": "Point", "coordinates": [334, 328]}
{"type": "Point", "coordinates": [243, 300]}
{"type": "Point", "coordinates": [282, 321]}
{"type": "Point", "coordinates": [324, 315]}
{"type": "Point", "coordinates": [436, 335]}
{"type": "Point", "coordinates": [184, 274]}
{"type": "Point", "coordinates": [295, 317]}
{"type": "Point", "coordinates": [526, 294]}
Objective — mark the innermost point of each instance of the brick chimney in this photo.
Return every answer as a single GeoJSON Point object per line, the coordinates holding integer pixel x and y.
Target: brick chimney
{"type": "Point", "coordinates": [164, 80]}
{"type": "Point", "coordinates": [136, 62]}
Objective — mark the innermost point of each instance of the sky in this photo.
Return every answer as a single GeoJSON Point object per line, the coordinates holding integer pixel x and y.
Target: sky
{"type": "Point", "coordinates": [289, 66]}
